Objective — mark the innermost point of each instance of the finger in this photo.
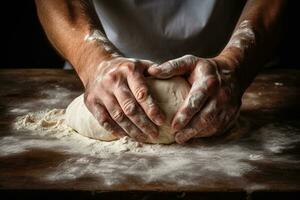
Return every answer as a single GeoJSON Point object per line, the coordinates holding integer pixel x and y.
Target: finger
{"type": "Point", "coordinates": [215, 118]}
{"type": "Point", "coordinates": [186, 134]}
{"type": "Point", "coordinates": [134, 112]}
{"type": "Point", "coordinates": [117, 114]}
{"type": "Point", "coordinates": [202, 125]}
{"type": "Point", "coordinates": [216, 127]}
{"type": "Point", "coordinates": [209, 120]}
{"type": "Point", "coordinates": [104, 119]}
{"type": "Point", "coordinates": [228, 119]}
{"type": "Point", "coordinates": [174, 67]}
{"type": "Point", "coordinates": [146, 63]}
{"type": "Point", "coordinates": [218, 116]}
{"type": "Point", "coordinates": [199, 93]}
{"type": "Point", "coordinates": [183, 136]}
{"type": "Point", "coordinates": [139, 88]}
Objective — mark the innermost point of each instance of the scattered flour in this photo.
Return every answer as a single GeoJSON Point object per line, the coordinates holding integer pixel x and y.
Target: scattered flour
{"type": "Point", "coordinates": [278, 84]}
{"type": "Point", "coordinates": [49, 98]}
{"type": "Point", "coordinates": [114, 161]}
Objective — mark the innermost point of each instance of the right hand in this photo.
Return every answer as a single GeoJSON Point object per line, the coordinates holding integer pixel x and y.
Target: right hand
{"type": "Point", "coordinates": [118, 97]}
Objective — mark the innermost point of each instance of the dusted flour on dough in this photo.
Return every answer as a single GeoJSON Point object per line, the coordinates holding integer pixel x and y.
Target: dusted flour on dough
{"type": "Point", "coordinates": [169, 95]}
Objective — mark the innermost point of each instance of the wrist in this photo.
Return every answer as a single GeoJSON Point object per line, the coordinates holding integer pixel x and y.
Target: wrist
{"type": "Point", "coordinates": [87, 59]}
{"type": "Point", "coordinates": [231, 60]}
{"type": "Point", "coordinates": [231, 57]}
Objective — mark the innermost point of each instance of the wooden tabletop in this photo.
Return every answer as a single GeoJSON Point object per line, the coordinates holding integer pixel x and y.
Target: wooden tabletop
{"type": "Point", "coordinates": [271, 111]}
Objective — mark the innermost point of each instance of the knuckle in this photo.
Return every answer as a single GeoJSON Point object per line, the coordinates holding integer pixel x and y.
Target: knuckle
{"type": "Point", "coordinates": [130, 67]}
{"type": "Point", "coordinates": [191, 59]}
{"type": "Point", "coordinates": [205, 67]}
{"type": "Point", "coordinates": [117, 115]}
{"type": "Point", "coordinates": [142, 119]}
{"type": "Point", "coordinates": [171, 64]}
{"type": "Point", "coordinates": [103, 119]}
{"type": "Point", "coordinates": [110, 77]}
{"type": "Point", "coordinates": [141, 94]}
{"type": "Point", "coordinates": [89, 99]}
{"type": "Point", "coordinates": [188, 56]}
{"type": "Point", "coordinates": [153, 111]}
{"type": "Point", "coordinates": [129, 107]}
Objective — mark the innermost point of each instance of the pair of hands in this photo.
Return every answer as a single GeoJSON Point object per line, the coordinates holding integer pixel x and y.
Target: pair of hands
{"type": "Point", "coordinates": [118, 96]}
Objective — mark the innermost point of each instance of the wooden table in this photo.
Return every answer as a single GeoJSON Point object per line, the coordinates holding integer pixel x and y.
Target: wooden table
{"type": "Point", "coordinates": [272, 103]}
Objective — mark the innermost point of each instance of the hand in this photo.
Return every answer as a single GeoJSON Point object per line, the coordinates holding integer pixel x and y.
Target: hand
{"type": "Point", "coordinates": [214, 99]}
{"type": "Point", "coordinates": [118, 96]}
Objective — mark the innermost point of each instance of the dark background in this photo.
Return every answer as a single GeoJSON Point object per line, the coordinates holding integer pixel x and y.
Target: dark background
{"type": "Point", "coordinates": [24, 44]}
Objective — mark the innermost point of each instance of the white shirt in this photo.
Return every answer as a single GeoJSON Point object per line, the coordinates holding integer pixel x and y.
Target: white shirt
{"type": "Point", "coordinates": [160, 30]}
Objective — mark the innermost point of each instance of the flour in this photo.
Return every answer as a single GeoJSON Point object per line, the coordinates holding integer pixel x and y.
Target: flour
{"type": "Point", "coordinates": [278, 84]}
{"type": "Point", "coordinates": [255, 157]}
{"type": "Point", "coordinates": [50, 98]}
{"type": "Point", "coordinates": [112, 162]}
{"type": "Point", "coordinates": [97, 35]}
{"type": "Point", "coordinates": [243, 37]}
{"type": "Point", "coordinates": [19, 110]}
{"type": "Point", "coordinates": [50, 124]}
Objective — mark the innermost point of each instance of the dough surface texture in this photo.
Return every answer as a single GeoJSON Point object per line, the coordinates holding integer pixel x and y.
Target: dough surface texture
{"type": "Point", "coordinates": [169, 94]}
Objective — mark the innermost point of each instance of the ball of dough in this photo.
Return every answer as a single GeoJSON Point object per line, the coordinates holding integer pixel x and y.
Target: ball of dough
{"type": "Point", "coordinates": [169, 94]}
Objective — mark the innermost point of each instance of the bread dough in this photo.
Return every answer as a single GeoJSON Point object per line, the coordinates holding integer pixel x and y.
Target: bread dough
{"type": "Point", "coordinates": [169, 94]}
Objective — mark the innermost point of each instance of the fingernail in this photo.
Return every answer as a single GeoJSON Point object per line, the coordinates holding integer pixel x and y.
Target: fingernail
{"type": "Point", "coordinates": [155, 69]}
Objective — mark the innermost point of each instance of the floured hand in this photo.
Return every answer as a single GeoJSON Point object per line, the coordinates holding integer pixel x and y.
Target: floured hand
{"type": "Point", "coordinates": [213, 102]}
{"type": "Point", "coordinates": [118, 97]}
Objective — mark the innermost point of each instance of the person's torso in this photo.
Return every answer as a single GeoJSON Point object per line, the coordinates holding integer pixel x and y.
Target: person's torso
{"type": "Point", "coordinates": [160, 30]}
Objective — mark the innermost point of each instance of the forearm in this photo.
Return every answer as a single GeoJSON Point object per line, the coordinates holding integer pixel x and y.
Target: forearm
{"type": "Point", "coordinates": [254, 38]}
{"type": "Point", "coordinates": [74, 30]}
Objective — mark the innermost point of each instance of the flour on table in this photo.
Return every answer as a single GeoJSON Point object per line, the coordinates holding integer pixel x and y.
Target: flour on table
{"type": "Point", "coordinates": [50, 123]}
{"type": "Point", "coordinates": [112, 162]}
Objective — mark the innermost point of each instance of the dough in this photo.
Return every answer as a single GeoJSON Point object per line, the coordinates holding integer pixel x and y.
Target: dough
{"type": "Point", "coordinates": [169, 95]}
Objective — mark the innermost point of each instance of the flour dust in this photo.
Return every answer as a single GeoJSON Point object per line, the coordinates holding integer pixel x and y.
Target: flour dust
{"type": "Point", "coordinates": [116, 160]}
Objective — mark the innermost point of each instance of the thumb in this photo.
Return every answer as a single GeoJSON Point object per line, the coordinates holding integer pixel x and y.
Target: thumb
{"type": "Point", "coordinates": [146, 63]}
{"type": "Point", "coordinates": [178, 66]}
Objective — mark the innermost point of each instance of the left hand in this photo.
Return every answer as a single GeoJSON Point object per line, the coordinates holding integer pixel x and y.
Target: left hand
{"type": "Point", "coordinates": [214, 100]}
